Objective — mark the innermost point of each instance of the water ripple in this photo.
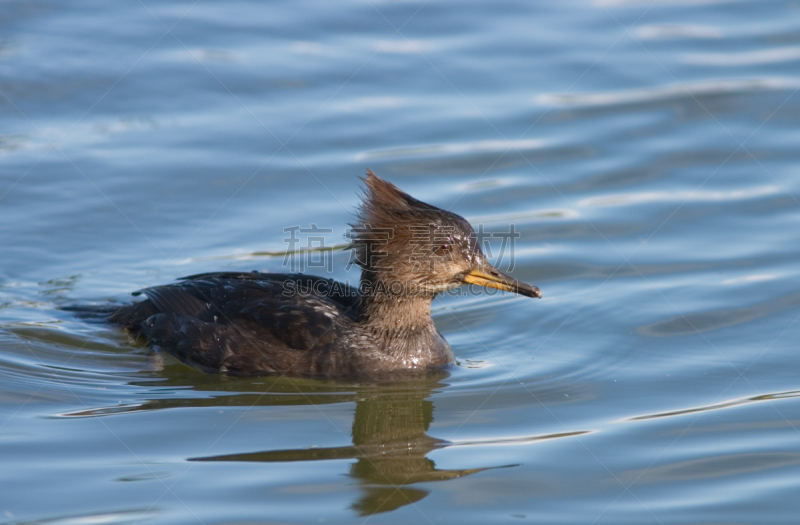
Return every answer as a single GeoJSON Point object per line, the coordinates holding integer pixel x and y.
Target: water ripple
{"type": "Point", "coordinates": [719, 406]}
{"type": "Point", "coordinates": [623, 199]}
{"type": "Point", "coordinates": [673, 92]}
{"type": "Point", "coordinates": [455, 148]}
{"type": "Point", "coordinates": [745, 58]}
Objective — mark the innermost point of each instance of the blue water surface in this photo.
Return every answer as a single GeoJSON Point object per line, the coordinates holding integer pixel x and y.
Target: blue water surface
{"type": "Point", "coordinates": [646, 152]}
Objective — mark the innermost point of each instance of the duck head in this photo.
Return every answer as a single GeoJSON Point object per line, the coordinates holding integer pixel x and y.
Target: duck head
{"type": "Point", "coordinates": [407, 247]}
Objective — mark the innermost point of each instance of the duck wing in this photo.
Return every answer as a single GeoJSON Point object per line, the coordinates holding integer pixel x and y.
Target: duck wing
{"type": "Point", "coordinates": [247, 323]}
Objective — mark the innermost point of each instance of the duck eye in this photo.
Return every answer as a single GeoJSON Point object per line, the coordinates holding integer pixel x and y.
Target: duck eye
{"type": "Point", "coordinates": [443, 249]}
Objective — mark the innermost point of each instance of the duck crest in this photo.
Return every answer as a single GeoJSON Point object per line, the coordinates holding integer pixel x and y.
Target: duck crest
{"type": "Point", "coordinates": [388, 218]}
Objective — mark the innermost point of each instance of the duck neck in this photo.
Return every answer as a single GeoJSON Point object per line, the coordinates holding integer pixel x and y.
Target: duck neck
{"type": "Point", "coordinates": [391, 311]}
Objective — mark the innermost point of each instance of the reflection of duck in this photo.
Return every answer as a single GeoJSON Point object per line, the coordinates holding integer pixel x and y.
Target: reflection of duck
{"type": "Point", "coordinates": [261, 323]}
{"type": "Point", "coordinates": [390, 444]}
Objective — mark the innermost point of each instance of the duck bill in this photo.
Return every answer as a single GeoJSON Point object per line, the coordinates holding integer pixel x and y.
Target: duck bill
{"type": "Point", "coordinates": [494, 278]}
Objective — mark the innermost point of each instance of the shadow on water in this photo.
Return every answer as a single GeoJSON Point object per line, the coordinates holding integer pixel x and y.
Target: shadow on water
{"type": "Point", "coordinates": [390, 446]}
{"type": "Point", "coordinates": [390, 443]}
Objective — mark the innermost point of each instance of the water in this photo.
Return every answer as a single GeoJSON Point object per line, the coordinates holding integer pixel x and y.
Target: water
{"type": "Point", "coordinates": [646, 152]}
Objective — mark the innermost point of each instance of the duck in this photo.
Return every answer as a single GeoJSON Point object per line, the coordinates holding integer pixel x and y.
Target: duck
{"type": "Point", "coordinates": [299, 325]}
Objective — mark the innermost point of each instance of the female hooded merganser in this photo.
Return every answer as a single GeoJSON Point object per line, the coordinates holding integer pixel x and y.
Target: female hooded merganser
{"type": "Point", "coordinates": [300, 325]}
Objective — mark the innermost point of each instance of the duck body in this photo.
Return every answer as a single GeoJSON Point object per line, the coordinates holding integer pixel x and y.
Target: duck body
{"type": "Point", "coordinates": [300, 325]}
{"type": "Point", "coordinates": [271, 323]}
